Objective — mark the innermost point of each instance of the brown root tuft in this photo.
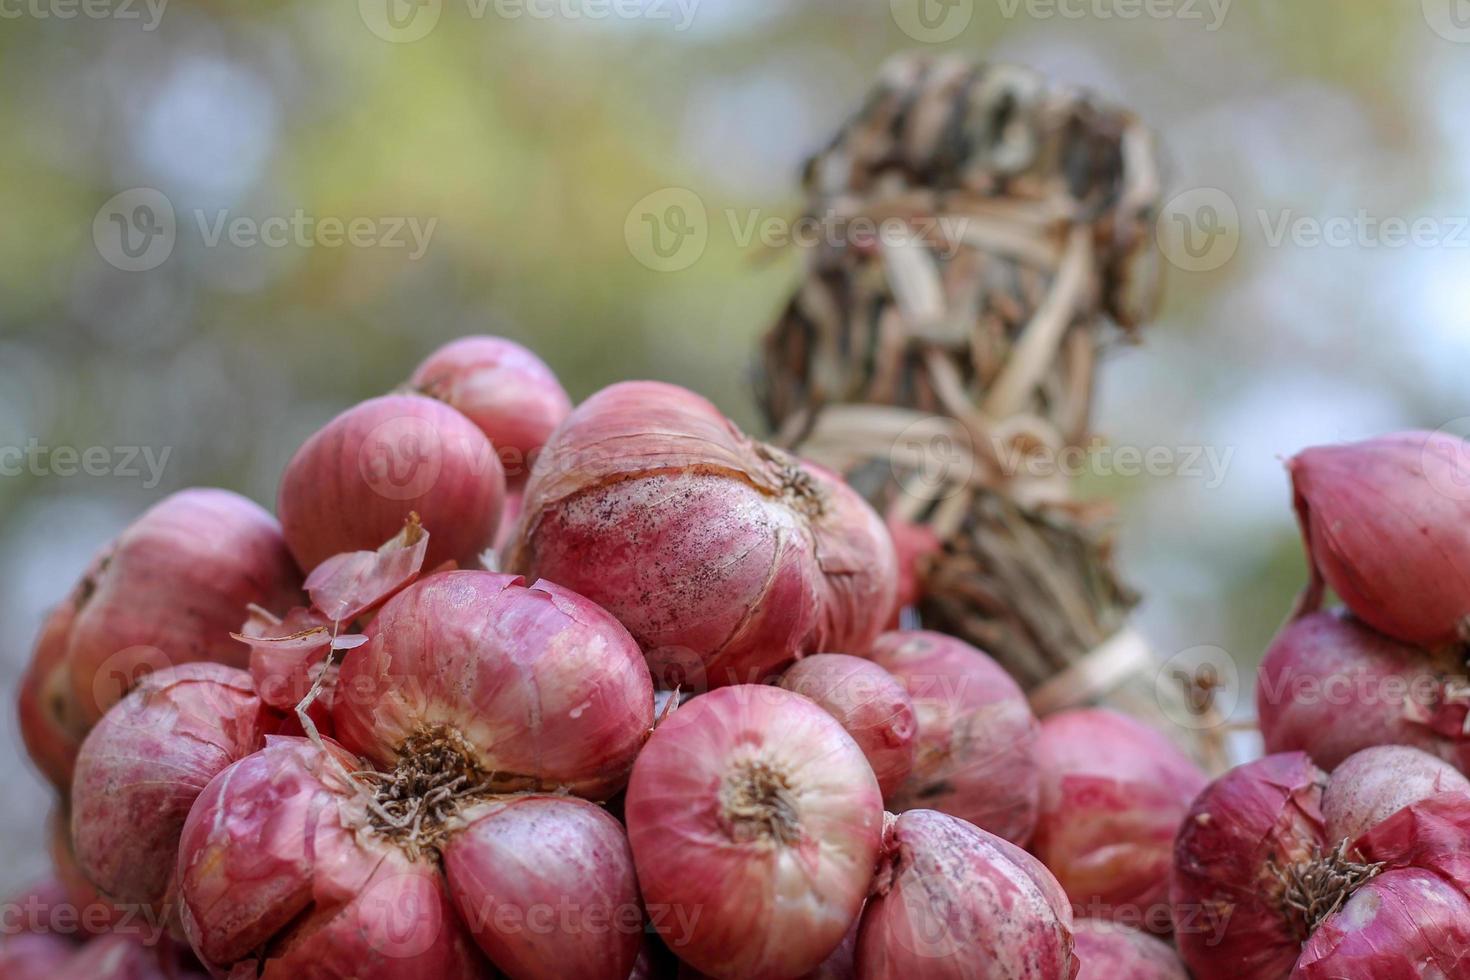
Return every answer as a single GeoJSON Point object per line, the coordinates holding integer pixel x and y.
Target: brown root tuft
{"type": "Point", "coordinates": [1313, 889]}
{"type": "Point", "coordinates": [757, 803]}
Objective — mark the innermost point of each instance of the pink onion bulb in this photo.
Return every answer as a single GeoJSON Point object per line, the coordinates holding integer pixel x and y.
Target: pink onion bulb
{"type": "Point", "coordinates": [1404, 923]}
{"type": "Point", "coordinates": [51, 722]}
{"type": "Point", "coordinates": [869, 703]}
{"type": "Point", "coordinates": [507, 391]}
{"type": "Point", "coordinates": [546, 886]}
{"type": "Point", "coordinates": [1374, 784]}
{"type": "Point", "coordinates": [34, 955]}
{"type": "Point", "coordinates": [284, 872]}
{"type": "Point", "coordinates": [951, 902]}
{"type": "Point", "coordinates": [33, 943]}
{"type": "Point", "coordinates": [170, 591]}
{"type": "Point", "coordinates": [1231, 919]}
{"type": "Point", "coordinates": [1329, 686]}
{"type": "Point", "coordinates": [725, 558]}
{"type": "Point", "coordinates": [353, 484]}
{"type": "Point", "coordinates": [537, 688]}
{"type": "Point", "coordinates": [1387, 525]}
{"type": "Point", "coordinates": [1108, 951]}
{"type": "Point", "coordinates": [145, 763]}
{"type": "Point", "coordinates": [1113, 791]}
{"type": "Point", "coordinates": [755, 823]}
{"type": "Point", "coordinates": [976, 755]}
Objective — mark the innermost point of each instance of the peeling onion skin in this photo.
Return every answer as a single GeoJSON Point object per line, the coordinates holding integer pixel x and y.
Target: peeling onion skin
{"type": "Point", "coordinates": [51, 724]}
{"type": "Point", "coordinates": [173, 587]}
{"type": "Point", "coordinates": [276, 857]}
{"type": "Point", "coordinates": [1405, 924]}
{"type": "Point", "coordinates": [869, 703]}
{"type": "Point", "coordinates": [502, 387]}
{"type": "Point", "coordinates": [1387, 525]}
{"type": "Point", "coordinates": [1374, 784]}
{"type": "Point", "coordinates": [1113, 791]}
{"type": "Point", "coordinates": [726, 559]}
{"type": "Point", "coordinates": [951, 904]}
{"type": "Point", "coordinates": [976, 753]}
{"type": "Point", "coordinates": [547, 689]}
{"type": "Point", "coordinates": [1328, 652]}
{"type": "Point", "coordinates": [547, 888]}
{"type": "Point", "coordinates": [1226, 923]}
{"type": "Point", "coordinates": [351, 486]}
{"type": "Point", "coordinates": [144, 764]}
{"type": "Point", "coordinates": [1113, 952]}
{"type": "Point", "coordinates": [755, 823]}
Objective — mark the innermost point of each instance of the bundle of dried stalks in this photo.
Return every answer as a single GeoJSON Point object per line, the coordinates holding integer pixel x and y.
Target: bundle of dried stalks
{"type": "Point", "coordinates": [994, 237]}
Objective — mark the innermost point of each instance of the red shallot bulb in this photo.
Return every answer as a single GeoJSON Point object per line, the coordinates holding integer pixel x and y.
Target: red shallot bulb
{"type": "Point", "coordinates": [504, 389]}
{"type": "Point", "coordinates": [976, 755]}
{"type": "Point", "coordinates": [1113, 791]}
{"type": "Point", "coordinates": [1404, 923]}
{"type": "Point", "coordinates": [1329, 686]}
{"type": "Point", "coordinates": [285, 871]}
{"type": "Point", "coordinates": [1374, 784]}
{"type": "Point", "coordinates": [34, 955]}
{"type": "Point", "coordinates": [51, 723]}
{"type": "Point", "coordinates": [546, 886]}
{"type": "Point", "coordinates": [33, 943]}
{"type": "Point", "coordinates": [353, 484]}
{"type": "Point", "coordinates": [869, 703]}
{"type": "Point", "coordinates": [1387, 525]}
{"type": "Point", "coordinates": [144, 764]}
{"type": "Point", "coordinates": [1234, 856]}
{"type": "Point", "coordinates": [950, 901]}
{"type": "Point", "coordinates": [1108, 951]}
{"type": "Point", "coordinates": [755, 823]}
{"type": "Point", "coordinates": [725, 558]}
{"type": "Point", "coordinates": [536, 688]}
{"type": "Point", "coordinates": [170, 591]}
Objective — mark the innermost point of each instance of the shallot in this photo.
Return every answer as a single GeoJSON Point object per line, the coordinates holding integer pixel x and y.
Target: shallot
{"type": "Point", "coordinates": [1113, 791]}
{"type": "Point", "coordinates": [869, 703]}
{"type": "Point", "coordinates": [976, 755]}
{"type": "Point", "coordinates": [725, 558]}
{"type": "Point", "coordinates": [755, 823]}
{"type": "Point", "coordinates": [353, 484]}
{"type": "Point", "coordinates": [1108, 951]}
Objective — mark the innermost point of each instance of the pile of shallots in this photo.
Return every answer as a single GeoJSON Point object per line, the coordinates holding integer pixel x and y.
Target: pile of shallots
{"type": "Point", "coordinates": [508, 688]}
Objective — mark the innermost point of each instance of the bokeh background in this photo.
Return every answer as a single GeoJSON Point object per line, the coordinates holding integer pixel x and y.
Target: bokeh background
{"type": "Point", "coordinates": [519, 137]}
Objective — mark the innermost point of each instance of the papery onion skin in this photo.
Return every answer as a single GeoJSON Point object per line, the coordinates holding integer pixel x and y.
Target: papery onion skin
{"type": "Point", "coordinates": [51, 723]}
{"type": "Point", "coordinates": [279, 874]}
{"type": "Point", "coordinates": [1405, 924]}
{"type": "Point", "coordinates": [351, 486]}
{"type": "Point", "coordinates": [502, 387]}
{"type": "Point", "coordinates": [144, 764]}
{"type": "Point", "coordinates": [1330, 686]}
{"type": "Point", "coordinates": [546, 885]}
{"type": "Point", "coordinates": [755, 823]}
{"type": "Point", "coordinates": [1113, 791]}
{"type": "Point", "coordinates": [546, 689]}
{"type": "Point", "coordinates": [950, 904]}
{"type": "Point", "coordinates": [174, 586]}
{"type": "Point", "coordinates": [869, 703]}
{"type": "Point", "coordinates": [976, 754]}
{"type": "Point", "coordinates": [1228, 923]}
{"type": "Point", "coordinates": [1112, 952]}
{"type": "Point", "coordinates": [1372, 785]}
{"type": "Point", "coordinates": [1387, 525]}
{"type": "Point", "coordinates": [725, 559]}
